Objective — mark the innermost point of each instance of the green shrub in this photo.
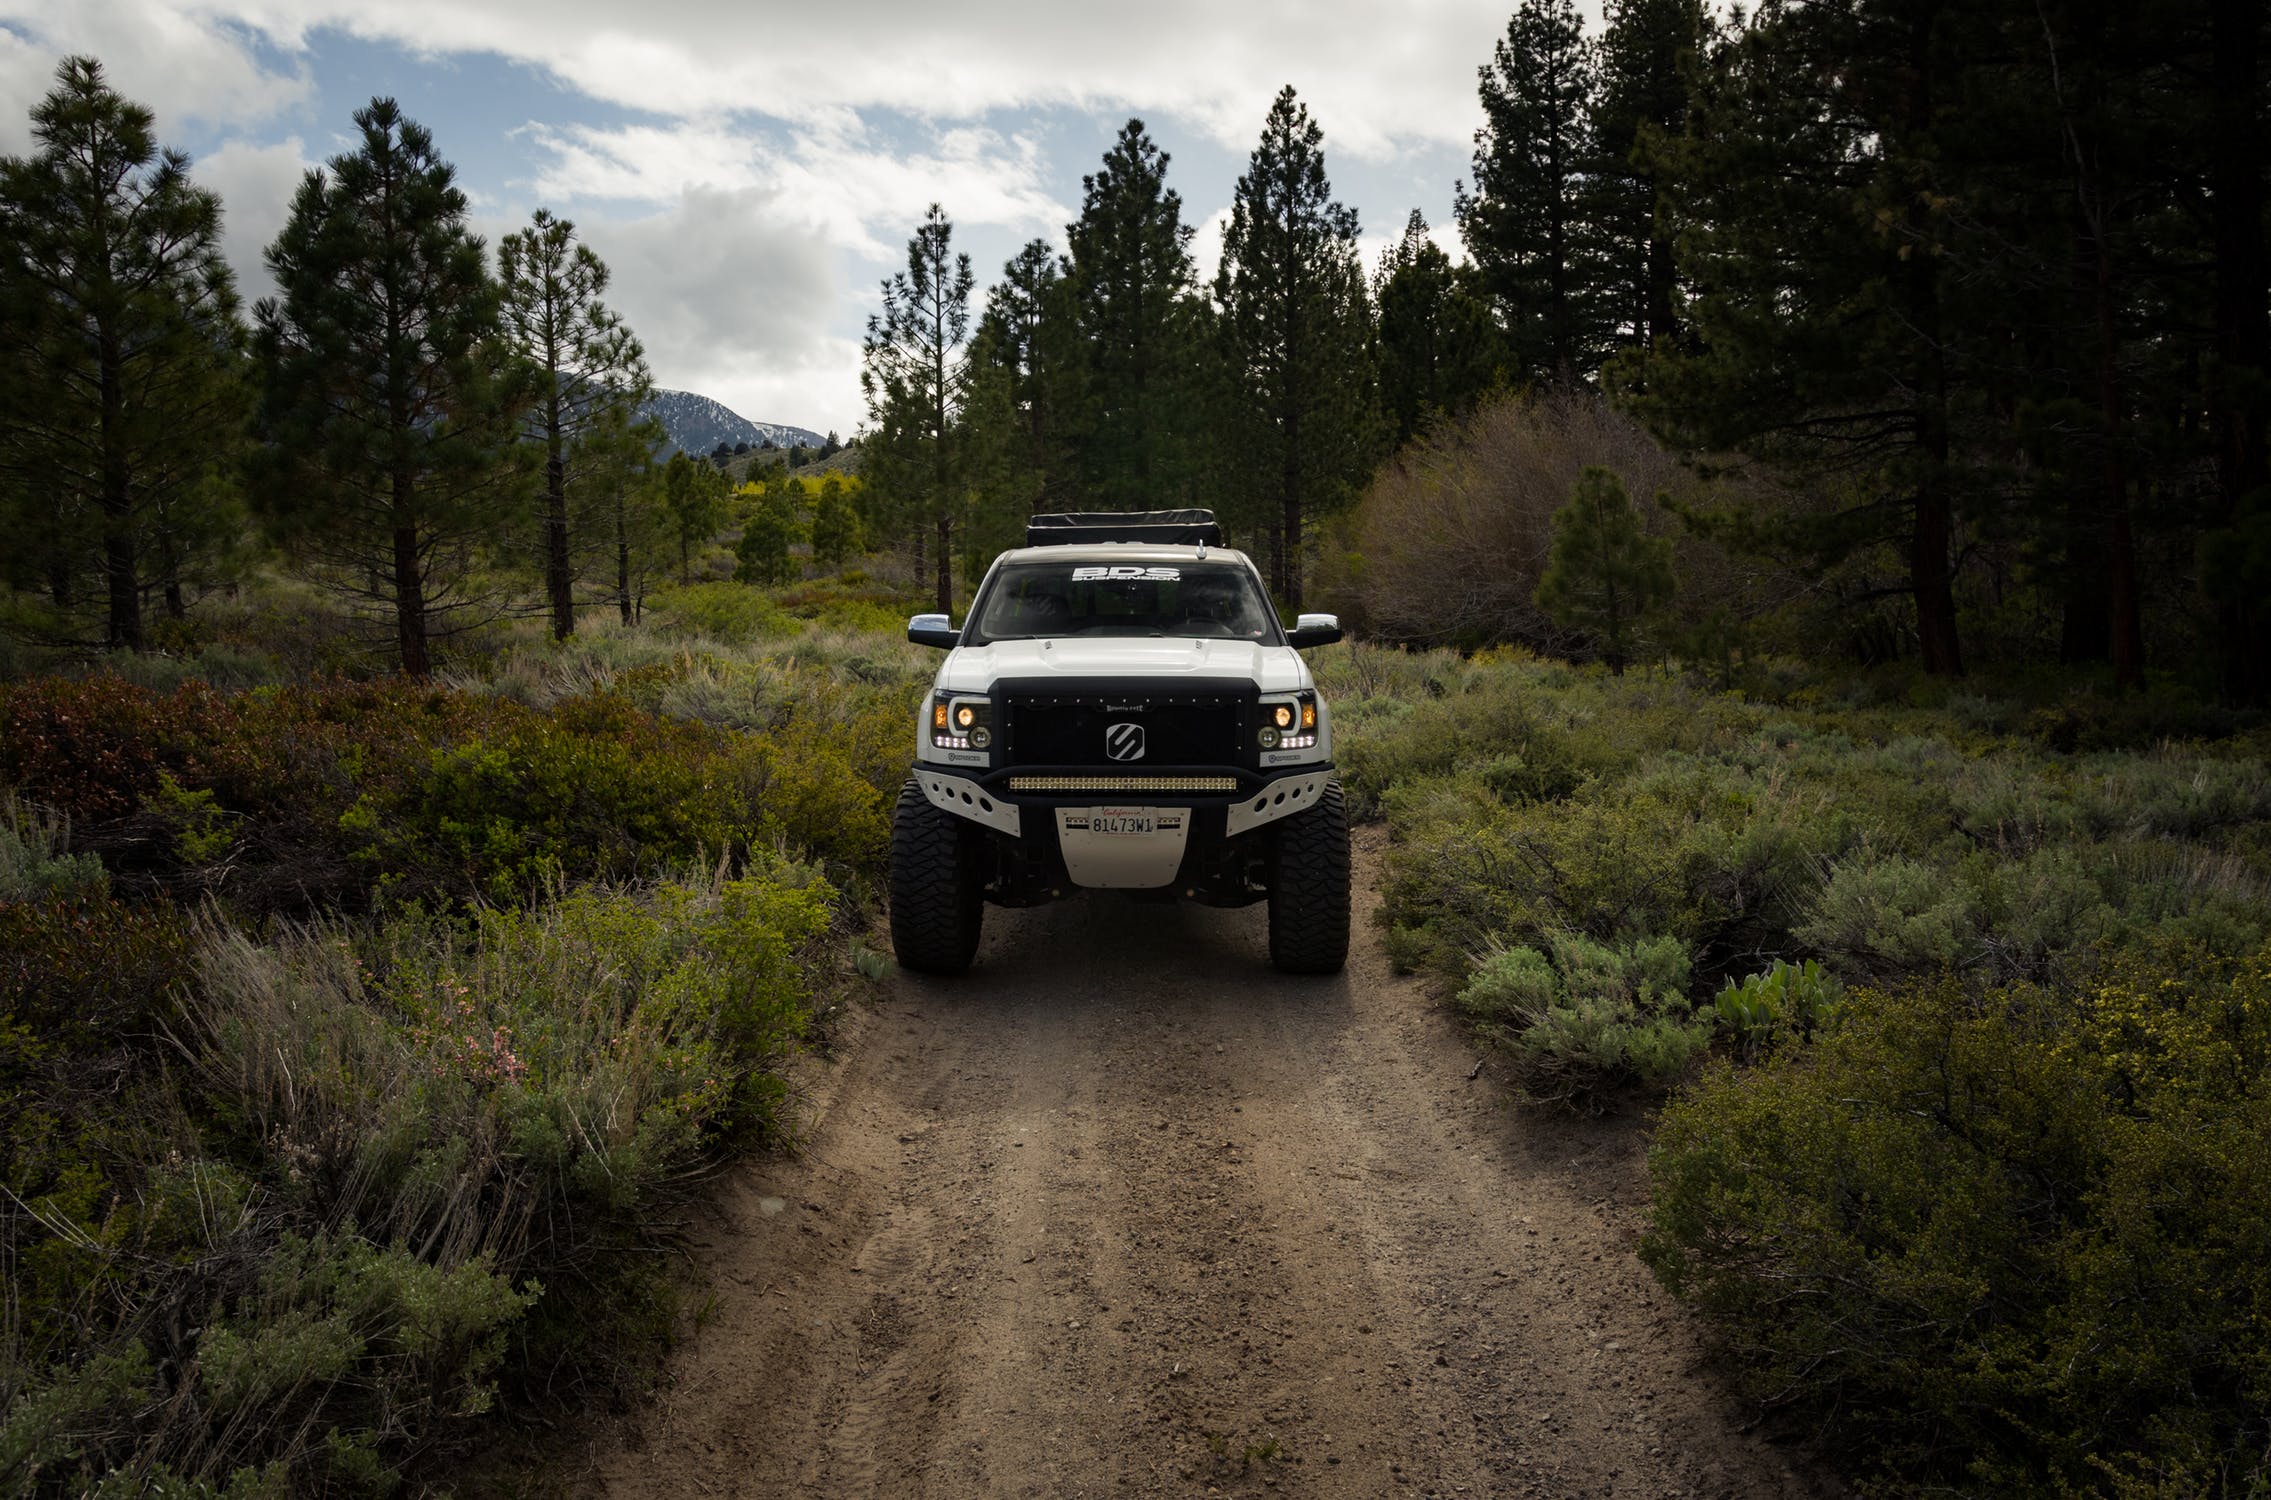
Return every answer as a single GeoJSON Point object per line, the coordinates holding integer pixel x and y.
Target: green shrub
{"type": "Point", "coordinates": [1724, 859]}
{"type": "Point", "coordinates": [35, 861]}
{"type": "Point", "coordinates": [1590, 1017]}
{"type": "Point", "coordinates": [1780, 1002]}
{"type": "Point", "coordinates": [2008, 1241]}
{"type": "Point", "coordinates": [86, 969]}
{"type": "Point", "coordinates": [1889, 916]}
{"type": "Point", "coordinates": [395, 1148]}
{"type": "Point", "coordinates": [733, 613]}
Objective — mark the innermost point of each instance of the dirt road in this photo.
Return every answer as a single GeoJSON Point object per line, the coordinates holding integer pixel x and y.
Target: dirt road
{"type": "Point", "coordinates": [1125, 1213]}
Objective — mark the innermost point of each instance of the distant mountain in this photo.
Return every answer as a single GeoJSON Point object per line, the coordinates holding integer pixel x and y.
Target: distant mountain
{"type": "Point", "coordinates": [698, 424]}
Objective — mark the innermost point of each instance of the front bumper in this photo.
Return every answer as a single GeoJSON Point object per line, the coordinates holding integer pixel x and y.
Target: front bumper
{"type": "Point", "coordinates": [1000, 799]}
{"type": "Point", "coordinates": [1199, 812]}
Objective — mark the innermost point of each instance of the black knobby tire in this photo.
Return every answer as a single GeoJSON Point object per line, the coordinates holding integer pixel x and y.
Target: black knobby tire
{"type": "Point", "coordinates": [1309, 889]}
{"type": "Point", "coordinates": [937, 889]}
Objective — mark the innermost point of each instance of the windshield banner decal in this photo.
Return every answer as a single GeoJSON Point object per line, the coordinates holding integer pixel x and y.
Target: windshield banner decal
{"type": "Point", "coordinates": [1126, 575]}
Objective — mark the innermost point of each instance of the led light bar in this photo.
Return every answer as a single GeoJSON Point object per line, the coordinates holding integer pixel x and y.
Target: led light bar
{"type": "Point", "coordinates": [1123, 783]}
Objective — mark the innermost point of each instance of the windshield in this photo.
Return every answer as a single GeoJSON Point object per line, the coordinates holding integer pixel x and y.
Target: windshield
{"type": "Point", "coordinates": [1030, 601]}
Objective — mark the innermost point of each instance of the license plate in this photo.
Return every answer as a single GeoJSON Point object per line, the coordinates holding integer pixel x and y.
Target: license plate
{"type": "Point", "coordinates": [1123, 820]}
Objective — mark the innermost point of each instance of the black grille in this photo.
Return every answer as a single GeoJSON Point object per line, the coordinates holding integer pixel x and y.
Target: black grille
{"type": "Point", "coordinates": [1184, 730]}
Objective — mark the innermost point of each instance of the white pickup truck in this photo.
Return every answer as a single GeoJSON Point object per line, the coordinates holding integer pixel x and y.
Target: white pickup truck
{"type": "Point", "coordinates": [1121, 710]}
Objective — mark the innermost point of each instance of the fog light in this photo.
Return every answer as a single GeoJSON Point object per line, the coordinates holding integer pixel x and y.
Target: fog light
{"type": "Point", "coordinates": [980, 738]}
{"type": "Point", "coordinates": [1268, 738]}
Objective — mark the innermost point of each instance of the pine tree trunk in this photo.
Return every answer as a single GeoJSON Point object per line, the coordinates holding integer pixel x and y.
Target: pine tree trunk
{"type": "Point", "coordinates": [2085, 630]}
{"type": "Point", "coordinates": [2127, 632]}
{"type": "Point", "coordinates": [2243, 324]}
{"type": "Point", "coordinates": [622, 563]}
{"type": "Point", "coordinates": [559, 577]}
{"type": "Point", "coordinates": [1292, 594]}
{"type": "Point", "coordinates": [1932, 538]}
{"type": "Point", "coordinates": [409, 585]}
{"type": "Point", "coordinates": [1663, 278]}
{"type": "Point", "coordinates": [124, 589]}
{"type": "Point", "coordinates": [945, 564]}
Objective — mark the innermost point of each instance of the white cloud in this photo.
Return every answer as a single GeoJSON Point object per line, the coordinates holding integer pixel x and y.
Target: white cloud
{"type": "Point", "coordinates": [256, 184]}
{"type": "Point", "coordinates": [734, 296]}
{"type": "Point", "coordinates": [1379, 79]}
{"type": "Point", "coordinates": [1207, 243]}
{"type": "Point", "coordinates": [645, 163]}
{"type": "Point", "coordinates": [857, 190]}
{"type": "Point", "coordinates": [181, 59]}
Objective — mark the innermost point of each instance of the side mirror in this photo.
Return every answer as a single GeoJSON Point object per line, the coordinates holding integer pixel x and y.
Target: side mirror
{"type": "Point", "coordinates": [1316, 630]}
{"type": "Point", "coordinates": [932, 630]}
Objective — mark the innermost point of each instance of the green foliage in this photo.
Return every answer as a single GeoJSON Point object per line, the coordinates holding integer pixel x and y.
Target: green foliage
{"type": "Point", "coordinates": [771, 530]}
{"type": "Point", "coordinates": [1607, 575]}
{"type": "Point", "coordinates": [398, 1145]}
{"type": "Point", "coordinates": [1781, 1001]}
{"type": "Point", "coordinates": [836, 531]}
{"type": "Point", "coordinates": [1591, 1016]}
{"type": "Point", "coordinates": [82, 968]}
{"type": "Point", "coordinates": [35, 857]}
{"type": "Point", "coordinates": [1439, 348]}
{"type": "Point", "coordinates": [2007, 1241]}
{"type": "Point", "coordinates": [1647, 50]}
{"type": "Point", "coordinates": [694, 496]}
{"type": "Point", "coordinates": [732, 614]}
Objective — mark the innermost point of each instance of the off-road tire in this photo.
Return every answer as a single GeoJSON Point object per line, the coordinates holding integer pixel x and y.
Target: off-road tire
{"type": "Point", "coordinates": [1309, 888]}
{"type": "Point", "coordinates": [937, 888]}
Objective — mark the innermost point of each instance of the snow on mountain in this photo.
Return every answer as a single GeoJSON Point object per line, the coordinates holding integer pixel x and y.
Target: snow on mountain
{"type": "Point", "coordinates": [697, 424]}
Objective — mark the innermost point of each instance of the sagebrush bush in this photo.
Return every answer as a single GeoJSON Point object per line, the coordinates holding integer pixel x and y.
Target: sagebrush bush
{"type": "Point", "coordinates": [36, 859]}
{"type": "Point", "coordinates": [407, 1142]}
{"type": "Point", "coordinates": [2012, 1241]}
{"type": "Point", "coordinates": [1584, 1017]}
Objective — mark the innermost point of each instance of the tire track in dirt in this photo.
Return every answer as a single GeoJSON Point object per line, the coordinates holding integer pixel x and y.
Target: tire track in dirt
{"type": "Point", "coordinates": [1124, 1212]}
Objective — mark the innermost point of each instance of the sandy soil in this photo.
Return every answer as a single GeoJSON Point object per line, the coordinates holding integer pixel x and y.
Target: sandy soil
{"type": "Point", "coordinates": [1124, 1212]}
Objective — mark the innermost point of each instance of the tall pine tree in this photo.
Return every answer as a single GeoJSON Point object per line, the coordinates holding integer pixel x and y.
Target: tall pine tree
{"type": "Point", "coordinates": [1029, 330]}
{"type": "Point", "coordinates": [914, 380]}
{"type": "Point", "coordinates": [391, 403]}
{"type": "Point", "coordinates": [1139, 425]}
{"type": "Point", "coordinates": [593, 372]}
{"type": "Point", "coordinates": [1820, 196]}
{"type": "Point", "coordinates": [1525, 222]}
{"type": "Point", "coordinates": [1439, 349]}
{"type": "Point", "coordinates": [1647, 51]}
{"type": "Point", "coordinates": [120, 355]}
{"type": "Point", "coordinates": [1295, 332]}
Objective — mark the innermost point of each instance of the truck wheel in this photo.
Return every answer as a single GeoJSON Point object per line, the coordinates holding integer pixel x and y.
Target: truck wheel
{"type": "Point", "coordinates": [1309, 889]}
{"type": "Point", "coordinates": [937, 889]}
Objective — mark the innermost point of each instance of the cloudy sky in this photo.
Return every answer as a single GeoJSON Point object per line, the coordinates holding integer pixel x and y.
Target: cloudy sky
{"type": "Point", "coordinates": [751, 171]}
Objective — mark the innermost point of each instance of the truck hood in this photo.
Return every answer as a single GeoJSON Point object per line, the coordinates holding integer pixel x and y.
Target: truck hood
{"type": "Point", "coordinates": [1274, 669]}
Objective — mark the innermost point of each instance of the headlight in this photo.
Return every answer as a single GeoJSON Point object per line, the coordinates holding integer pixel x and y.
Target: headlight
{"type": "Point", "coordinates": [1288, 723]}
{"type": "Point", "coordinates": [961, 723]}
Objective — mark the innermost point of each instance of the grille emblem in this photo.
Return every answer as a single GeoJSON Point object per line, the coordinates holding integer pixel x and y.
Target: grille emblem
{"type": "Point", "coordinates": [1124, 742]}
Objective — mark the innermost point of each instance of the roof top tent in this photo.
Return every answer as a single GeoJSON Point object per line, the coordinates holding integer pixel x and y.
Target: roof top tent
{"type": "Point", "coordinates": [1169, 528]}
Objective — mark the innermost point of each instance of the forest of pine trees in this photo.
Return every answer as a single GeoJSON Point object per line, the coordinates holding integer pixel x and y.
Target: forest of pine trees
{"type": "Point", "coordinates": [1959, 309]}
{"type": "Point", "coordinates": [1972, 294]}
